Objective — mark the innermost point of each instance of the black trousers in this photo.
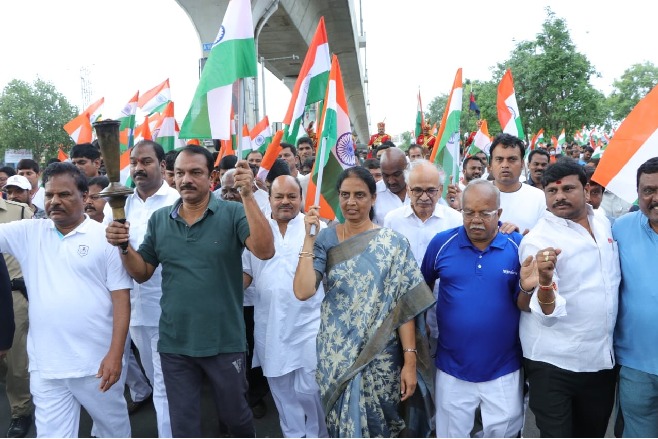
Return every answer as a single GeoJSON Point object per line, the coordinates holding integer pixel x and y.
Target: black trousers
{"type": "Point", "coordinates": [570, 404]}
{"type": "Point", "coordinates": [258, 386]}
{"type": "Point", "coordinates": [183, 377]}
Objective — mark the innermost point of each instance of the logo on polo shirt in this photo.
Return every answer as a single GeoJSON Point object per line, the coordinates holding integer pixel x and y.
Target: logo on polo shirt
{"type": "Point", "coordinates": [83, 250]}
{"type": "Point", "coordinates": [510, 272]}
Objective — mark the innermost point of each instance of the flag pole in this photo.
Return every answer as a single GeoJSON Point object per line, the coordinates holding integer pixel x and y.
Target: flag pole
{"type": "Point", "coordinates": [318, 184]}
{"type": "Point", "coordinates": [238, 129]}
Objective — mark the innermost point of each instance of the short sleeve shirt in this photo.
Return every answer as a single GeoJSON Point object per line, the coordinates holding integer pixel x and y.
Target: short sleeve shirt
{"type": "Point", "coordinates": [202, 291]}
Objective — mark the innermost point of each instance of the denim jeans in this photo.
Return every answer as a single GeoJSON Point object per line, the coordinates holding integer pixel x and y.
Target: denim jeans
{"type": "Point", "coordinates": [638, 399]}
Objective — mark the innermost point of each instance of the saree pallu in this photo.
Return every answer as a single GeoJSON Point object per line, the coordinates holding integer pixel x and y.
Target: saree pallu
{"type": "Point", "coordinates": [374, 286]}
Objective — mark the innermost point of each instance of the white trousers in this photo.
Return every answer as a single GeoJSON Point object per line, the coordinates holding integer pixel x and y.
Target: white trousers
{"type": "Point", "coordinates": [146, 340]}
{"type": "Point", "coordinates": [500, 401]}
{"type": "Point", "coordinates": [297, 398]}
{"type": "Point", "coordinates": [57, 406]}
{"type": "Point", "coordinates": [133, 375]}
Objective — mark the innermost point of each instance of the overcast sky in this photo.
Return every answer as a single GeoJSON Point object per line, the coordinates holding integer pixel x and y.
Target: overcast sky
{"type": "Point", "coordinates": [130, 45]}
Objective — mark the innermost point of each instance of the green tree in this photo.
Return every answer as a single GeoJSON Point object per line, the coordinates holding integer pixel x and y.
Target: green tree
{"type": "Point", "coordinates": [634, 84]}
{"type": "Point", "coordinates": [405, 140]}
{"type": "Point", "coordinates": [485, 95]}
{"type": "Point", "coordinates": [32, 117]}
{"type": "Point", "coordinates": [551, 81]}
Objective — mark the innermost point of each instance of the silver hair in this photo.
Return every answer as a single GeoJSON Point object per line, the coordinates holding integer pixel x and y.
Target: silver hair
{"type": "Point", "coordinates": [419, 162]}
{"type": "Point", "coordinates": [480, 182]}
{"type": "Point", "coordinates": [226, 175]}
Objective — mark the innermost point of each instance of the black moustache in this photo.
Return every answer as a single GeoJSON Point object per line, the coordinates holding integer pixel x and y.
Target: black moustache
{"type": "Point", "coordinates": [562, 204]}
{"type": "Point", "coordinates": [187, 186]}
{"type": "Point", "coordinates": [140, 174]}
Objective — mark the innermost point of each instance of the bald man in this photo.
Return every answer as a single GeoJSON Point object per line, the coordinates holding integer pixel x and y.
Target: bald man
{"type": "Point", "coordinates": [478, 358]}
{"type": "Point", "coordinates": [392, 190]}
{"type": "Point", "coordinates": [286, 328]}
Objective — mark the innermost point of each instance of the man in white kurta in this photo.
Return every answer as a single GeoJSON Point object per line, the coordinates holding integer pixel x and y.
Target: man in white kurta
{"type": "Point", "coordinates": [286, 328]}
{"type": "Point", "coordinates": [422, 219]}
{"type": "Point", "coordinates": [79, 311]}
{"type": "Point", "coordinates": [152, 192]}
{"type": "Point", "coordinates": [392, 189]}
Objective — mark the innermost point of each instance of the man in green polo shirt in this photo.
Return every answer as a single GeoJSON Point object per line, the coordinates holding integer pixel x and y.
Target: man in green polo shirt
{"type": "Point", "coordinates": [199, 241]}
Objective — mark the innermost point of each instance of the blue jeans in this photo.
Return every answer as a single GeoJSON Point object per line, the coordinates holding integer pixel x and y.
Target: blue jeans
{"type": "Point", "coordinates": [638, 399]}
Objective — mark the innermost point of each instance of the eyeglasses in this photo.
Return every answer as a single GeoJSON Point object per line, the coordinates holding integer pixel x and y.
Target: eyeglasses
{"type": "Point", "coordinates": [485, 215]}
{"type": "Point", "coordinates": [418, 192]}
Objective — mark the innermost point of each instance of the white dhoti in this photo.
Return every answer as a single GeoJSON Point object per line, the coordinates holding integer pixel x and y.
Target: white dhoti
{"type": "Point", "coordinates": [500, 401]}
{"type": "Point", "coordinates": [57, 406]}
{"type": "Point", "coordinates": [297, 398]}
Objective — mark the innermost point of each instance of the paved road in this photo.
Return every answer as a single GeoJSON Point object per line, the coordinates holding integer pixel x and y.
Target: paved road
{"type": "Point", "coordinates": [143, 422]}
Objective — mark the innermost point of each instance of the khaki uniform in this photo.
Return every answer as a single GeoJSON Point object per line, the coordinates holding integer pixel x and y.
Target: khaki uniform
{"type": "Point", "coordinates": [16, 362]}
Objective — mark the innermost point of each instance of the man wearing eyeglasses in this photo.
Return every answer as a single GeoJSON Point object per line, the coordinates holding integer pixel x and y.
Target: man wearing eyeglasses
{"type": "Point", "coordinates": [423, 218]}
{"type": "Point", "coordinates": [479, 354]}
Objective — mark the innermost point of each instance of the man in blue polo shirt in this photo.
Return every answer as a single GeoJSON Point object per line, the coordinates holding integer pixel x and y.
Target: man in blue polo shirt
{"type": "Point", "coordinates": [479, 354]}
{"type": "Point", "coordinates": [636, 332]}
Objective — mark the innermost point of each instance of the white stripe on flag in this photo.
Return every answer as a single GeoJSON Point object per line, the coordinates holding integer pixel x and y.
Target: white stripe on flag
{"type": "Point", "coordinates": [219, 113]}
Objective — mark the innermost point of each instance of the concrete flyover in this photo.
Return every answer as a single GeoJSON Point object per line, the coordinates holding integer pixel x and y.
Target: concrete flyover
{"type": "Point", "coordinates": [286, 27]}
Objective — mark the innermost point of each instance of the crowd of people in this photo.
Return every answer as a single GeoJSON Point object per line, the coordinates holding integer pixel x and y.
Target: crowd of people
{"type": "Point", "coordinates": [428, 310]}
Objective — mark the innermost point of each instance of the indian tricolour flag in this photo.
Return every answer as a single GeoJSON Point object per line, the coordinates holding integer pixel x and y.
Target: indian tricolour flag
{"type": "Point", "coordinates": [261, 135]}
{"type": "Point", "coordinates": [635, 142]}
{"type": "Point", "coordinates": [335, 148]}
{"type": "Point", "coordinates": [79, 128]}
{"type": "Point", "coordinates": [271, 154]}
{"type": "Point", "coordinates": [446, 153]}
{"type": "Point", "coordinates": [95, 110]}
{"type": "Point", "coordinates": [167, 132]}
{"type": "Point", "coordinates": [124, 168]}
{"type": "Point", "coordinates": [61, 155]}
{"type": "Point", "coordinates": [246, 141]}
{"type": "Point", "coordinates": [311, 83]}
{"type": "Point", "coordinates": [155, 100]}
{"type": "Point", "coordinates": [143, 132]}
{"type": "Point", "coordinates": [233, 56]}
{"type": "Point", "coordinates": [481, 141]}
{"type": "Point", "coordinates": [561, 140]}
{"type": "Point", "coordinates": [536, 140]}
{"type": "Point", "coordinates": [127, 127]}
{"type": "Point", "coordinates": [420, 118]}
{"type": "Point", "coordinates": [508, 110]}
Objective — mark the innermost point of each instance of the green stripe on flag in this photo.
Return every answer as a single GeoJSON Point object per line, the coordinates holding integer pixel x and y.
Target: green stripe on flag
{"type": "Point", "coordinates": [328, 190]}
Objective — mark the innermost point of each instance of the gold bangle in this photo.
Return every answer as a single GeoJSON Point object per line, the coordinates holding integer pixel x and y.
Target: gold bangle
{"type": "Point", "coordinates": [306, 255]}
{"type": "Point", "coordinates": [546, 303]}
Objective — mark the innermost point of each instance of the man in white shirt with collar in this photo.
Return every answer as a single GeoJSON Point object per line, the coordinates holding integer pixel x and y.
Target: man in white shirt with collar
{"type": "Point", "coordinates": [423, 218]}
{"type": "Point", "coordinates": [79, 311]}
{"type": "Point", "coordinates": [285, 328]}
{"type": "Point", "coordinates": [392, 190]}
{"type": "Point", "coordinates": [147, 166]}
{"type": "Point", "coordinates": [570, 309]}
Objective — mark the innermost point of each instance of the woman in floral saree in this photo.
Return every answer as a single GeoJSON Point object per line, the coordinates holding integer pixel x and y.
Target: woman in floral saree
{"type": "Point", "coordinates": [372, 350]}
